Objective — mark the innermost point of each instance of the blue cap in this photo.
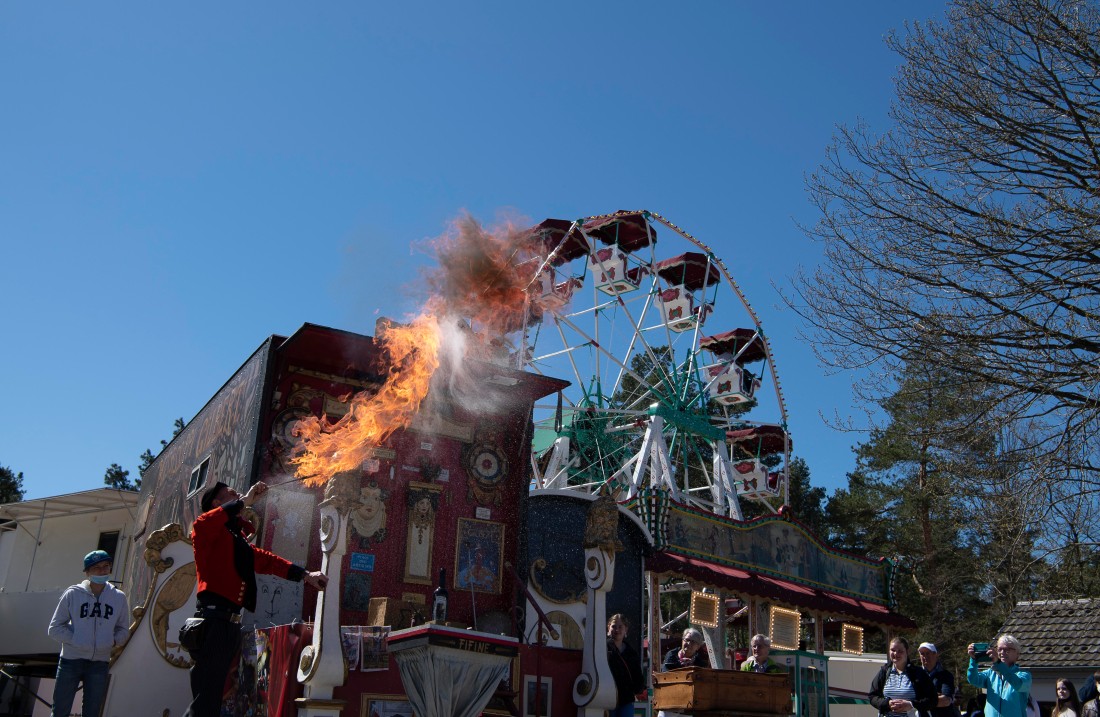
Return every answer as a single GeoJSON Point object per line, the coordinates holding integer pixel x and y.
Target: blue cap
{"type": "Point", "coordinates": [95, 558]}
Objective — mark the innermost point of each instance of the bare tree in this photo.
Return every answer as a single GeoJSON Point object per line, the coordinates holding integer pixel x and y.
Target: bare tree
{"type": "Point", "coordinates": [969, 233]}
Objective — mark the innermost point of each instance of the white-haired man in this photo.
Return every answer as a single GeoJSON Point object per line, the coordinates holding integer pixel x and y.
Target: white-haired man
{"type": "Point", "coordinates": [1006, 686]}
{"type": "Point", "coordinates": [760, 662]}
{"type": "Point", "coordinates": [690, 654]}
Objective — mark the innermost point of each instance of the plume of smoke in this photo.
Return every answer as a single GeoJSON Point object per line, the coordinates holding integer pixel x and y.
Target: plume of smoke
{"type": "Point", "coordinates": [477, 296]}
{"type": "Point", "coordinates": [483, 275]}
{"type": "Point", "coordinates": [479, 289]}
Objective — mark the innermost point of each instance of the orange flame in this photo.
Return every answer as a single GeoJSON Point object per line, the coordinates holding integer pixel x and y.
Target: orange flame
{"type": "Point", "coordinates": [481, 283]}
{"type": "Point", "coordinates": [413, 353]}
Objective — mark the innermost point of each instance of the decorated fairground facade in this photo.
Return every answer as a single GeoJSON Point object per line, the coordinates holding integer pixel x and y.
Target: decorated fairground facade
{"type": "Point", "coordinates": [587, 446]}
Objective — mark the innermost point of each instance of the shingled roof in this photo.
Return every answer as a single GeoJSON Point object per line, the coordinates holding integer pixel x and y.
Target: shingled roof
{"type": "Point", "coordinates": [1057, 633]}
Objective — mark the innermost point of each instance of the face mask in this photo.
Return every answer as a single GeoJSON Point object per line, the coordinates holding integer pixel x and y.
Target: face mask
{"type": "Point", "coordinates": [98, 579]}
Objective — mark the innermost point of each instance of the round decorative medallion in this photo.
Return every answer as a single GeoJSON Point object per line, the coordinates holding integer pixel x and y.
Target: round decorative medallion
{"type": "Point", "coordinates": [487, 466]}
{"type": "Point", "coordinates": [282, 429]}
{"type": "Point", "coordinates": [487, 469]}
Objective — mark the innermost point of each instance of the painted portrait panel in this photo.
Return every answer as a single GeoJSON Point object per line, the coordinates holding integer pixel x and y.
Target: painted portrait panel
{"type": "Point", "coordinates": [479, 556]}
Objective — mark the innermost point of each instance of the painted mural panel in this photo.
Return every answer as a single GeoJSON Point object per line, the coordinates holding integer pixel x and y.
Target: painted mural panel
{"type": "Point", "coordinates": [224, 434]}
{"type": "Point", "coordinates": [773, 546]}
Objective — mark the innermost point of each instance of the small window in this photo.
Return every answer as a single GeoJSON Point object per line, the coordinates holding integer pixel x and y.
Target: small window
{"type": "Point", "coordinates": [198, 477]}
{"type": "Point", "coordinates": [108, 542]}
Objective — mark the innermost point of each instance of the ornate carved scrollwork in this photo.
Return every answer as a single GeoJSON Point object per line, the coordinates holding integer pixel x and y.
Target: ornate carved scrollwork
{"type": "Point", "coordinates": [157, 541]}
{"type": "Point", "coordinates": [306, 664]}
{"type": "Point", "coordinates": [602, 526]}
{"type": "Point", "coordinates": [328, 532]}
{"type": "Point", "coordinates": [595, 572]}
{"type": "Point", "coordinates": [538, 567]}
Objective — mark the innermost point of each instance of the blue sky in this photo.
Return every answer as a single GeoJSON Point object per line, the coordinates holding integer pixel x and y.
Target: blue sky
{"type": "Point", "coordinates": [178, 182]}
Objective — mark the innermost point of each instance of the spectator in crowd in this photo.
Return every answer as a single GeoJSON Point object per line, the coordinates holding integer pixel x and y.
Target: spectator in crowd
{"type": "Point", "coordinates": [1007, 687]}
{"type": "Point", "coordinates": [942, 680]}
{"type": "Point", "coordinates": [90, 620]}
{"type": "Point", "coordinates": [960, 702]}
{"type": "Point", "coordinates": [690, 653]}
{"type": "Point", "coordinates": [900, 688]}
{"type": "Point", "coordinates": [975, 707]}
{"type": "Point", "coordinates": [760, 662]}
{"type": "Point", "coordinates": [625, 667]}
{"type": "Point", "coordinates": [1089, 692]}
{"type": "Point", "coordinates": [1067, 704]}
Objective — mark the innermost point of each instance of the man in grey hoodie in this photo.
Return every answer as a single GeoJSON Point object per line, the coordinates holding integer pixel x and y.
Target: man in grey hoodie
{"type": "Point", "coordinates": [89, 621]}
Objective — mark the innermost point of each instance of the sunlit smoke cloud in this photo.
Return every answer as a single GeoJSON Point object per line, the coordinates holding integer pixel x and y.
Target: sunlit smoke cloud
{"type": "Point", "coordinates": [477, 298]}
{"type": "Point", "coordinates": [483, 274]}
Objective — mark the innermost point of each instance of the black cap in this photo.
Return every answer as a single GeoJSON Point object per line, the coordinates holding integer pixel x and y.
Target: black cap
{"type": "Point", "coordinates": [208, 497]}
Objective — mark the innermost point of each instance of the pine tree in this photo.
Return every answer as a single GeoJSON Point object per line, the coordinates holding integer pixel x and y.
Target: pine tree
{"type": "Point", "coordinates": [119, 479]}
{"type": "Point", "coordinates": [805, 501]}
{"type": "Point", "coordinates": [11, 485]}
{"type": "Point", "coordinates": [910, 499]}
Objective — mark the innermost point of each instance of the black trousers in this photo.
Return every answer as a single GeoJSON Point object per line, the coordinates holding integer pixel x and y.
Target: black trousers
{"type": "Point", "coordinates": [213, 660]}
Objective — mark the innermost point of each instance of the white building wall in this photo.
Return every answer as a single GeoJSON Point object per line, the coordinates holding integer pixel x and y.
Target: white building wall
{"type": "Point", "coordinates": [42, 557]}
{"type": "Point", "coordinates": [63, 543]}
{"type": "Point", "coordinates": [8, 541]}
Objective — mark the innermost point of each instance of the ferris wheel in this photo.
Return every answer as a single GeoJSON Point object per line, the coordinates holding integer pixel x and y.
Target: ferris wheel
{"type": "Point", "coordinates": [673, 382]}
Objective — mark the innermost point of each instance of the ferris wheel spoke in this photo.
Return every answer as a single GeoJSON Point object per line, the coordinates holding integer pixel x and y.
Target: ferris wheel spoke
{"type": "Point", "coordinates": [677, 380]}
{"type": "Point", "coordinates": [638, 336]}
{"type": "Point", "coordinates": [546, 357]}
{"type": "Point", "coordinates": [655, 386]}
{"type": "Point", "coordinates": [569, 353]}
{"type": "Point", "coordinates": [602, 351]}
{"type": "Point", "coordinates": [609, 411]}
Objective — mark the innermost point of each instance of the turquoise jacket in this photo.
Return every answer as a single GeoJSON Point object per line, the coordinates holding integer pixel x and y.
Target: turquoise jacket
{"type": "Point", "coordinates": [1006, 688]}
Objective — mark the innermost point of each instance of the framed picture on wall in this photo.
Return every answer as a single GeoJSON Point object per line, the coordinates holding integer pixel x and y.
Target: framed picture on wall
{"type": "Point", "coordinates": [385, 706]}
{"type": "Point", "coordinates": [422, 501]}
{"type": "Point", "coordinates": [540, 706]}
{"type": "Point", "coordinates": [479, 553]}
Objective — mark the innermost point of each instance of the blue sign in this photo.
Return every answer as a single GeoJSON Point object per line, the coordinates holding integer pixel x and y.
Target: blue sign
{"type": "Point", "coordinates": [363, 562]}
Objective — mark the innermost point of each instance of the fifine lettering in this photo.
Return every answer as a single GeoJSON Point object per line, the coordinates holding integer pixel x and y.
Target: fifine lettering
{"type": "Point", "coordinates": [472, 646]}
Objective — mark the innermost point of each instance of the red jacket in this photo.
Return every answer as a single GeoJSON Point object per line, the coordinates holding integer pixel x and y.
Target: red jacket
{"type": "Point", "coordinates": [216, 568]}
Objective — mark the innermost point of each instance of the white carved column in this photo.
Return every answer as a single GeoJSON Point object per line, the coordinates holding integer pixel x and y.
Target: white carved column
{"type": "Point", "coordinates": [594, 689]}
{"type": "Point", "coordinates": [323, 667]}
